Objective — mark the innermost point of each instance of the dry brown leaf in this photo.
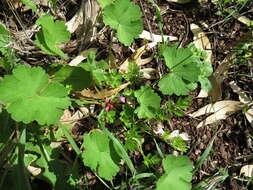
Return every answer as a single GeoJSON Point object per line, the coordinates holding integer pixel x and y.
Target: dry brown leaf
{"type": "Point", "coordinates": [244, 99]}
{"type": "Point", "coordinates": [179, 1]}
{"type": "Point", "coordinates": [82, 56]}
{"type": "Point", "coordinates": [75, 21]}
{"type": "Point", "coordinates": [247, 171]}
{"type": "Point", "coordinates": [156, 38]}
{"type": "Point", "coordinates": [35, 171]}
{"type": "Point", "coordinates": [136, 57]}
{"type": "Point", "coordinates": [221, 110]}
{"type": "Point", "coordinates": [103, 93]}
{"type": "Point", "coordinates": [68, 118]}
{"type": "Point", "coordinates": [217, 78]}
{"type": "Point", "coordinates": [149, 73]}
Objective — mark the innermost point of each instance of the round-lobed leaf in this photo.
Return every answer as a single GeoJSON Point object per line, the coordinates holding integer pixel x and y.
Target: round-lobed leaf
{"type": "Point", "coordinates": [30, 96]}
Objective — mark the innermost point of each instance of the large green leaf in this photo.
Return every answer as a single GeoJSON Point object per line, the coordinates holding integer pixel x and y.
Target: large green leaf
{"type": "Point", "coordinates": [30, 96]}
{"type": "Point", "coordinates": [178, 173]}
{"type": "Point", "coordinates": [125, 17]}
{"type": "Point", "coordinates": [51, 33]}
{"type": "Point", "coordinates": [98, 154]}
{"type": "Point", "coordinates": [184, 71]}
{"type": "Point", "coordinates": [149, 102]}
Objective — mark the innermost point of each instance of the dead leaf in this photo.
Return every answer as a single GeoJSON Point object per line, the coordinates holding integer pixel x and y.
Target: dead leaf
{"type": "Point", "coordinates": [35, 171]}
{"type": "Point", "coordinates": [82, 56]}
{"type": "Point", "coordinates": [75, 21]}
{"type": "Point", "coordinates": [68, 118]}
{"type": "Point", "coordinates": [103, 93]}
{"type": "Point", "coordinates": [247, 171]}
{"type": "Point", "coordinates": [244, 99]}
{"type": "Point", "coordinates": [217, 78]}
{"type": "Point", "coordinates": [149, 73]}
{"type": "Point", "coordinates": [179, 1]}
{"type": "Point", "coordinates": [221, 110]}
{"type": "Point", "coordinates": [156, 38]}
{"type": "Point", "coordinates": [136, 57]}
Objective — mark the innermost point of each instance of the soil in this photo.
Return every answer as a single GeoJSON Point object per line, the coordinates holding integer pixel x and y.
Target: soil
{"type": "Point", "coordinates": [233, 142]}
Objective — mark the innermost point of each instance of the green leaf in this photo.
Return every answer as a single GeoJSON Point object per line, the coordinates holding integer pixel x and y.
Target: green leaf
{"type": "Point", "coordinates": [51, 33]}
{"type": "Point", "coordinates": [178, 173]}
{"type": "Point", "coordinates": [125, 17]}
{"type": "Point", "coordinates": [206, 68]}
{"type": "Point", "coordinates": [30, 4]}
{"type": "Point", "coordinates": [149, 102]}
{"type": "Point", "coordinates": [30, 96]}
{"type": "Point", "coordinates": [97, 154]}
{"type": "Point", "coordinates": [184, 71]}
{"type": "Point", "coordinates": [104, 3]}
{"type": "Point", "coordinates": [4, 38]}
{"type": "Point", "coordinates": [96, 68]}
{"type": "Point", "coordinates": [48, 160]}
{"type": "Point", "coordinates": [76, 77]}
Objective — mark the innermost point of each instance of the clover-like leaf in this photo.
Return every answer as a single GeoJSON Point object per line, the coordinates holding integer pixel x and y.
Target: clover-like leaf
{"type": "Point", "coordinates": [30, 96]}
{"type": "Point", "coordinates": [98, 154]}
{"type": "Point", "coordinates": [178, 173]}
{"type": "Point", "coordinates": [51, 33]}
{"type": "Point", "coordinates": [125, 17]}
{"type": "Point", "coordinates": [184, 71]}
{"type": "Point", "coordinates": [149, 102]}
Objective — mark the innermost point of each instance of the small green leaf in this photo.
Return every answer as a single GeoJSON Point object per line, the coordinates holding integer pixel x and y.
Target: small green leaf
{"type": "Point", "coordinates": [104, 3]}
{"type": "Point", "coordinates": [125, 17]}
{"type": "Point", "coordinates": [4, 38]}
{"type": "Point", "coordinates": [97, 154]}
{"type": "Point", "coordinates": [184, 71]}
{"type": "Point", "coordinates": [51, 33]}
{"type": "Point", "coordinates": [178, 173]}
{"type": "Point", "coordinates": [96, 68]}
{"type": "Point", "coordinates": [149, 102]}
{"type": "Point", "coordinates": [30, 96]}
{"type": "Point", "coordinates": [76, 77]}
{"type": "Point", "coordinates": [30, 4]}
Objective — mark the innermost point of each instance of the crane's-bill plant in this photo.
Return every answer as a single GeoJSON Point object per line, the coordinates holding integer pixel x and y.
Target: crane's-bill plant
{"type": "Point", "coordinates": [99, 154]}
{"type": "Point", "coordinates": [123, 16]}
{"type": "Point", "coordinates": [178, 173]}
{"type": "Point", "coordinates": [27, 94]}
{"type": "Point", "coordinates": [33, 101]}
{"type": "Point", "coordinates": [51, 33]}
{"type": "Point", "coordinates": [185, 70]}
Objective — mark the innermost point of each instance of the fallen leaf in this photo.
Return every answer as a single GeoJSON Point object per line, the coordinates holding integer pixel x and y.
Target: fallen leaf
{"type": "Point", "coordinates": [244, 99]}
{"type": "Point", "coordinates": [156, 38]}
{"type": "Point", "coordinates": [149, 73]}
{"type": "Point", "coordinates": [179, 1]}
{"type": "Point", "coordinates": [136, 57]}
{"type": "Point", "coordinates": [217, 78]}
{"type": "Point", "coordinates": [247, 171]}
{"type": "Point", "coordinates": [68, 118]}
{"type": "Point", "coordinates": [103, 93]}
{"type": "Point", "coordinates": [35, 171]}
{"type": "Point", "coordinates": [75, 21]}
{"type": "Point", "coordinates": [82, 56]}
{"type": "Point", "coordinates": [221, 110]}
